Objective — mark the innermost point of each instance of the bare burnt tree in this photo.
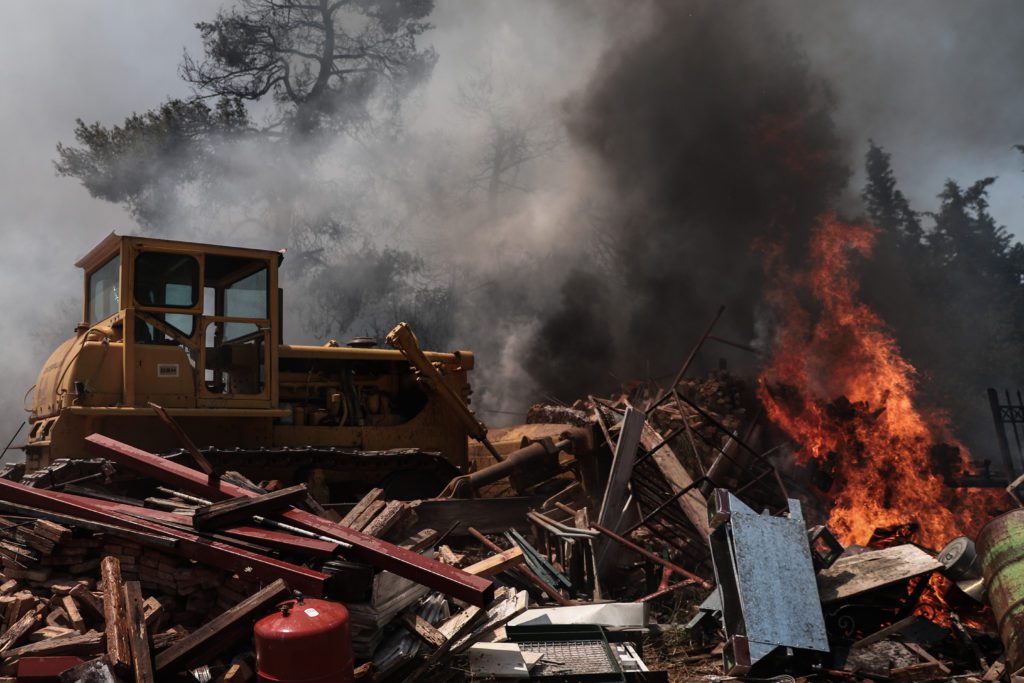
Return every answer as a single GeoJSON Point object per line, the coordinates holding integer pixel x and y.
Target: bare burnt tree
{"type": "Point", "coordinates": [514, 137]}
{"type": "Point", "coordinates": [322, 61]}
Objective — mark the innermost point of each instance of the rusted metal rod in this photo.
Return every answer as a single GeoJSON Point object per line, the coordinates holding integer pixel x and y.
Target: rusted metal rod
{"type": "Point", "coordinates": [665, 591]}
{"type": "Point", "coordinates": [185, 440]}
{"type": "Point", "coordinates": [686, 364]}
{"type": "Point", "coordinates": [525, 571]}
{"type": "Point", "coordinates": [644, 552]}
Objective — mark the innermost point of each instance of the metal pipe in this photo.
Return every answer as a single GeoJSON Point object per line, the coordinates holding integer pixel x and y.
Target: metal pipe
{"type": "Point", "coordinates": [644, 552]}
{"type": "Point", "coordinates": [259, 519]}
{"type": "Point", "coordinates": [500, 470]}
{"type": "Point", "coordinates": [665, 591]}
{"type": "Point", "coordinates": [558, 528]}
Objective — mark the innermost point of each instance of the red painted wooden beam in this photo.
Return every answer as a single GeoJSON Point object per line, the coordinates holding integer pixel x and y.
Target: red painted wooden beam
{"type": "Point", "coordinates": [277, 539]}
{"type": "Point", "coordinates": [283, 540]}
{"type": "Point", "coordinates": [407, 564]}
{"type": "Point", "coordinates": [190, 545]}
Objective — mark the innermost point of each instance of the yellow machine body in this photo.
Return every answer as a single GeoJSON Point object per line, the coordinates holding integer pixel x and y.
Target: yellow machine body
{"type": "Point", "coordinates": [197, 329]}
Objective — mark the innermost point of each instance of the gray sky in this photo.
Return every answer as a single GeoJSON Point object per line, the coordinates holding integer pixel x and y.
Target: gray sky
{"type": "Point", "coordinates": [937, 83]}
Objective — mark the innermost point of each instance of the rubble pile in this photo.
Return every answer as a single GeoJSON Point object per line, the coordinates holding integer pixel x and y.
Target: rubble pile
{"type": "Point", "coordinates": [647, 536]}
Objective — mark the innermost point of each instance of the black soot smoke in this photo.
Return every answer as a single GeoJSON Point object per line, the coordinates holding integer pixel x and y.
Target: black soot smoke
{"type": "Point", "coordinates": [712, 135]}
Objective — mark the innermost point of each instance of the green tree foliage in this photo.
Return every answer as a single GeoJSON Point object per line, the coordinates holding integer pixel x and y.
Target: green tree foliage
{"type": "Point", "coordinates": [953, 291]}
{"type": "Point", "coordinates": [279, 85]}
{"type": "Point", "coordinates": [886, 205]}
{"type": "Point", "coordinates": [141, 163]}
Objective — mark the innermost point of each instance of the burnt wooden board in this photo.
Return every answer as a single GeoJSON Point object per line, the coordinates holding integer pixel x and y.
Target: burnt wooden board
{"type": "Point", "coordinates": [221, 632]}
{"type": "Point", "coordinates": [692, 504]}
{"type": "Point", "coordinates": [855, 574]}
{"type": "Point", "coordinates": [235, 510]}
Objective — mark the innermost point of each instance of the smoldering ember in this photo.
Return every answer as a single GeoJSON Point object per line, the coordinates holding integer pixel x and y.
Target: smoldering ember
{"type": "Point", "coordinates": [451, 340]}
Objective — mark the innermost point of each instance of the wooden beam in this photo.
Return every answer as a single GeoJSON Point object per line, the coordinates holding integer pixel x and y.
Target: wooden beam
{"type": "Point", "coordinates": [71, 607]}
{"type": "Point", "coordinates": [367, 515]}
{"type": "Point", "coordinates": [152, 612]}
{"type": "Point", "coordinates": [191, 545]}
{"type": "Point", "coordinates": [390, 516]}
{"type": "Point", "coordinates": [870, 570]}
{"type": "Point", "coordinates": [237, 510]}
{"type": "Point", "coordinates": [21, 627]}
{"type": "Point", "coordinates": [87, 601]}
{"type": "Point", "coordinates": [692, 504]}
{"type": "Point", "coordinates": [82, 523]}
{"type": "Point", "coordinates": [422, 629]}
{"type": "Point", "coordinates": [220, 633]}
{"type": "Point", "coordinates": [496, 564]}
{"type": "Point", "coordinates": [352, 515]}
{"type": "Point", "coordinates": [138, 634]}
{"type": "Point", "coordinates": [116, 615]}
{"type": "Point", "coordinates": [367, 549]}
{"type": "Point", "coordinates": [83, 645]}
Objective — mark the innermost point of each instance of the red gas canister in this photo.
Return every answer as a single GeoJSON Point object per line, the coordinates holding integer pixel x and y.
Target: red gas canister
{"type": "Point", "coordinates": [305, 641]}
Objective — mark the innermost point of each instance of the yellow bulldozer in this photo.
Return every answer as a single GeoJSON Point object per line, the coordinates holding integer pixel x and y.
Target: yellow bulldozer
{"type": "Point", "coordinates": [197, 330]}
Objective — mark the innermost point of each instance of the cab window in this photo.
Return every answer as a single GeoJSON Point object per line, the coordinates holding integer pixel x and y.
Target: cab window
{"type": "Point", "coordinates": [164, 280]}
{"type": "Point", "coordinates": [104, 299]}
{"type": "Point", "coordinates": [246, 298]}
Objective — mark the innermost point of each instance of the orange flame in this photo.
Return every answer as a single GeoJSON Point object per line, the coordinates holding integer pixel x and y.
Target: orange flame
{"type": "Point", "coordinates": [837, 384]}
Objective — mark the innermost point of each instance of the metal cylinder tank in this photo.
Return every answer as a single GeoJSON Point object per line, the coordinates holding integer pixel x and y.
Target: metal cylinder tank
{"type": "Point", "coordinates": [305, 641]}
{"type": "Point", "coordinates": [1000, 547]}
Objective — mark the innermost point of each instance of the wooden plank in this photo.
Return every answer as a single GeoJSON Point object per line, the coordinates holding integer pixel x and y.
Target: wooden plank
{"type": "Point", "coordinates": [58, 617]}
{"type": "Point", "coordinates": [91, 643]}
{"type": "Point", "coordinates": [390, 516]}
{"type": "Point", "coordinates": [55, 532]}
{"type": "Point", "coordinates": [48, 632]}
{"type": "Point", "coordinates": [497, 563]}
{"type": "Point", "coordinates": [498, 614]}
{"type": "Point", "coordinates": [237, 510]}
{"type": "Point", "coordinates": [91, 525]}
{"type": "Point", "coordinates": [369, 513]}
{"type": "Point", "coordinates": [367, 549]}
{"type": "Point", "coordinates": [422, 629]}
{"type": "Point", "coordinates": [220, 633]}
{"type": "Point", "coordinates": [152, 612]}
{"type": "Point", "coordinates": [209, 551]}
{"type": "Point", "coordinates": [693, 505]}
{"type": "Point", "coordinates": [71, 608]}
{"type": "Point", "coordinates": [138, 634]}
{"type": "Point", "coordinates": [21, 627]}
{"type": "Point", "coordinates": [88, 601]}
{"type": "Point", "coordinates": [352, 515]}
{"type": "Point", "coordinates": [115, 615]}
{"type": "Point", "coordinates": [852, 575]}
{"type": "Point", "coordinates": [926, 656]}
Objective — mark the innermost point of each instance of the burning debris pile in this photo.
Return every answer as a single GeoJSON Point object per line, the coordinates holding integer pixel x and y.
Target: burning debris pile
{"type": "Point", "coordinates": [584, 552]}
{"type": "Point", "coordinates": [811, 523]}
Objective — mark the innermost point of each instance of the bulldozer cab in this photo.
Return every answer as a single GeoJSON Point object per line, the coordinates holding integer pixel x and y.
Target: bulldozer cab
{"type": "Point", "coordinates": [199, 323]}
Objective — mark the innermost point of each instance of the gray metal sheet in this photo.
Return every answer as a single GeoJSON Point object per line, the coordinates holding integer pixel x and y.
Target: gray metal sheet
{"type": "Point", "coordinates": [776, 583]}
